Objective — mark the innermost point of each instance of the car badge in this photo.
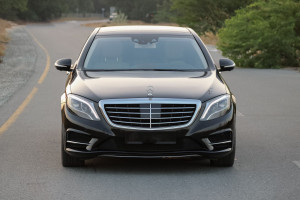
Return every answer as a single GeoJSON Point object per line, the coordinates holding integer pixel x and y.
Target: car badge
{"type": "Point", "coordinates": [150, 92]}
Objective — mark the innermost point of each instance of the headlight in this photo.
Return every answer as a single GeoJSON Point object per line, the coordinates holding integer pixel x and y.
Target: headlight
{"type": "Point", "coordinates": [82, 107]}
{"type": "Point", "coordinates": [216, 107]}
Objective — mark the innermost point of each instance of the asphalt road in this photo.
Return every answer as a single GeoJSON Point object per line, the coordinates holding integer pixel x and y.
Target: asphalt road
{"type": "Point", "coordinates": [268, 136]}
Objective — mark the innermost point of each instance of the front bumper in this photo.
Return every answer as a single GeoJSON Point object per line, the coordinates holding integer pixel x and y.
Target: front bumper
{"type": "Point", "coordinates": [88, 139]}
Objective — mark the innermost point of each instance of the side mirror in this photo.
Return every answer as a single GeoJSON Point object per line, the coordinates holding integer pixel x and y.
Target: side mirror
{"type": "Point", "coordinates": [63, 64]}
{"type": "Point", "coordinates": [226, 64]}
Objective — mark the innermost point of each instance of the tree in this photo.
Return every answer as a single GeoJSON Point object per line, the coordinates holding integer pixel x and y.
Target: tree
{"type": "Point", "coordinates": [265, 34]}
{"type": "Point", "coordinates": [205, 15]}
{"type": "Point", "coordinates": [86, 6]}
{"type": "Point", "coordinates": [43, 10]}
{"type": "Point", "coordinates": [11, 8]}
{"type": "Point", "coordinates": [164, 12]}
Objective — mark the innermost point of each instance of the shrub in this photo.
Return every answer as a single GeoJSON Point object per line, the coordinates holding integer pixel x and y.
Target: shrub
{"type": "Point", "coordinates": [120, 19]}
{"type": "Point", "coordinates": [205, 15]}
{"type": "Point", "coordinates": [265, 34]}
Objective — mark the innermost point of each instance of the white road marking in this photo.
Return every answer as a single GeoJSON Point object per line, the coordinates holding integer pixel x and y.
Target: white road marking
{"type": "Point", "coordinates": [239, 114]}
{"type": "Point", "coordinates": [297, 163]}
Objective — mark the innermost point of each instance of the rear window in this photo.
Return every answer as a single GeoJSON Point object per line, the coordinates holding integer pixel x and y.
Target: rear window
{"type": "Point", "coordinates": [145, 52]}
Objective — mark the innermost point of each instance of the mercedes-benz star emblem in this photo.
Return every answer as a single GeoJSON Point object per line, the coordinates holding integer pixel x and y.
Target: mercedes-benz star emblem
{"type": "Point", "coordinates": [150, 92]}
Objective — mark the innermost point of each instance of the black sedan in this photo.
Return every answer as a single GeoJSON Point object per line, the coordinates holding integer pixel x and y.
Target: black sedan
{"type": "Point", "coordinates": [147, 92]}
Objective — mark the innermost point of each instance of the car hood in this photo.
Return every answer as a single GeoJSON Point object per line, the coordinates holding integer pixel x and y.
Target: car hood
{"type": "Point", "coordinates": [138, 84]}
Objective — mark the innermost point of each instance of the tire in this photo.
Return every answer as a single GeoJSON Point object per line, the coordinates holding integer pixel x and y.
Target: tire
{"type": "Point", "coordinates": [67, 160]}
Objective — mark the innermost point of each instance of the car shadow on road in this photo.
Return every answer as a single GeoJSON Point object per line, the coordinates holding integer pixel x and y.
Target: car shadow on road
{"type": "Point", "coordinates": [151, 166]}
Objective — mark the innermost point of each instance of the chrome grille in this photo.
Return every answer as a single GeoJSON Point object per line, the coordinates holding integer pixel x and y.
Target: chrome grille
{"type": "Point", "coordinates": [146, 114]}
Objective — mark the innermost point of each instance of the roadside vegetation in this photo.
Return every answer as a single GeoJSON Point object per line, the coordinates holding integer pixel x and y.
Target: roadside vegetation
{"type": "Point", "coordinates": [265, 34]}
{"type": "Point", "coordinates": [254, 33]}
{"type": "Point", "coordinates": [3, 35]}
{"type": "Point", "coordinates": [120, 19]}
{"type": "Point", "coordinates": [207, 38]}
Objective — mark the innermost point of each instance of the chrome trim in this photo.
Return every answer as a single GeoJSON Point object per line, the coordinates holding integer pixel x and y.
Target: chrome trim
{"type": "Point", "coordinates": [74, 151]}
{"type": "Point", "coordinates": [149, 123]}
{"type": "Point", "coordinates": [149, 117]}
{"type": "Point", "coordinates": [224, 150]}
{"type": "Point", "coordinates": [73, 142]}
{"type": "Point", "coordinates": [225, 142]}
{"type": "Point", "coordinates": [91, 144]}
{"type": "Point", "coordinates": [150, 112]}
{"type": "Point", "coordinates": [133, 108]}
{"type": "Point", "coordinates": [150, 102]}
{"type": "Point", "coordinates": [208, 144]}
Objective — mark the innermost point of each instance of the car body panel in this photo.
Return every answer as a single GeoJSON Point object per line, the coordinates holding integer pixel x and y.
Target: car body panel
{"type": "Point", "coordinates": [111, 85]}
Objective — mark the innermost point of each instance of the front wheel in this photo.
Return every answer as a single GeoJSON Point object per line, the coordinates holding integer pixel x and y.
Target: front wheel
{"type": "Point", "coordinates": [67, 160]}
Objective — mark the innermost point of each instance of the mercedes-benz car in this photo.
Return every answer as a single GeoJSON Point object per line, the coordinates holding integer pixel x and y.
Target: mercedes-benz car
{"type": "Point", "coordinates": [146, 92]}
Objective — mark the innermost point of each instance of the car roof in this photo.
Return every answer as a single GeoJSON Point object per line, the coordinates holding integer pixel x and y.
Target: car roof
{"type": "Point", "coordinates": [164, 30]}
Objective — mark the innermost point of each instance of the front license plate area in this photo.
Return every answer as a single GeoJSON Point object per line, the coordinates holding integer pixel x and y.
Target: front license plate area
{"type": "Point", "coordinates": [135, 138]}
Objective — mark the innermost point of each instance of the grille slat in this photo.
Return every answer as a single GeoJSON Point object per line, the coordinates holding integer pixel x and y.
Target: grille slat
{"type": "Point", "coordinates": [149, 108]}
{"type": "Point", "coordinates": [154, 114]}
{"type": "Point", "coordinates": [129, 122]}
{"type": "Point", "coordinates": [148, 117]}
{"type": "Point", "coordinates": [148, 123]}
{"type": "Point", "coordinates": [129, 108]}
{"type": "Point", "coordinates": [162, 113]}
{"type": "Point", "coordinates": [170, 122]}
{"type": "Point", "coordinates": [133, 113]}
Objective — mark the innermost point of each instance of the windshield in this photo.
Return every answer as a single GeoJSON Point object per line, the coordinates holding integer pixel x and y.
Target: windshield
{"type": "Point", "coordinates": [145, 52]}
